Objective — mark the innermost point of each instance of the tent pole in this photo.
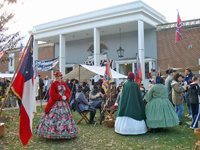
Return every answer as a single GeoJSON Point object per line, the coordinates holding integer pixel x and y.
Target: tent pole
{"type": "Point", "coordinates": [79, 75]}
{"type": "Point", "coordinates": [108, 91]}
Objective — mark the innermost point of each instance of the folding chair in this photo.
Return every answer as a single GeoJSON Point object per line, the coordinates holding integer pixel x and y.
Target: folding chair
{"type": "Point", "coordinates": [110, 114]}
{"type": "Point", "coordinates": [84, 116]}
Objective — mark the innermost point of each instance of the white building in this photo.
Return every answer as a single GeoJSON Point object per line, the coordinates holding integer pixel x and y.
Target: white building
{"type": "Point", "coordinates": [73, 36]}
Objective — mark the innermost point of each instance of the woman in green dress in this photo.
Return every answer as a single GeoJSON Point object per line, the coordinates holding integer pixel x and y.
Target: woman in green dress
{"type": "Point", "coordinates": [159, 111]}
{"type": "Point", "coordinates": [130, 117]}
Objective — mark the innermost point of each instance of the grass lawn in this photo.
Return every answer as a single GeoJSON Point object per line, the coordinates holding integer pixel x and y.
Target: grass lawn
{"type": "Point", "coordinates": [99, 137]}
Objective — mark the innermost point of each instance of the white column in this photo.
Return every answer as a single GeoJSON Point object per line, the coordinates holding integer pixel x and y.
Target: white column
{"type": "Point", "coordinates": [35, 52]}
{"type": "Point", "coordinates": [133, 67]}
{"type": "Point", "coordinates": [150, 65]}
{"type": "Point", "coordinates": [35, 57]}
{"type": "Point", "coordinates": [141, 47]}
{"type": "Point", "coordinates": [62, 54]}
{"type": "Point", "coordinates": [52, 75]}
{"type": "Point", "coordinates": [96, 50]}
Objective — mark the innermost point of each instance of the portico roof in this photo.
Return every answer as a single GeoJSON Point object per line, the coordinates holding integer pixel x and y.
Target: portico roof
{"type": "Point", "coordinates": [107, 20]}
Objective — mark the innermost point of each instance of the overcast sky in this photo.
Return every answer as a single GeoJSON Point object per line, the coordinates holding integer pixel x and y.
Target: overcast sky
{"type": "Point", "coordinates": [34, 12]}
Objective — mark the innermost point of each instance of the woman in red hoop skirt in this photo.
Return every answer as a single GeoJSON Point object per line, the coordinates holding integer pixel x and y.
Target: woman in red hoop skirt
{"type": "Point", "coordinates": [57, 122]}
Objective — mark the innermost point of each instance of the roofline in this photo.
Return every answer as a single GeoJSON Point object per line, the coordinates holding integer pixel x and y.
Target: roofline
{"type": "Point", "coordinates": [186, 24]}
{"type": "Point", "coordinates": [123, 9]}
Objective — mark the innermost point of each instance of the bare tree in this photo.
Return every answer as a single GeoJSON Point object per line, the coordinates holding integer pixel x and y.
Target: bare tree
{"type": "Point", "coordinates": [8, 40]}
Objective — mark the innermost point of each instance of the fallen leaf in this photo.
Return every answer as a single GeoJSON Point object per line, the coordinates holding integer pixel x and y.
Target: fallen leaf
{"type": "Point", "coordinates": [109, 145]}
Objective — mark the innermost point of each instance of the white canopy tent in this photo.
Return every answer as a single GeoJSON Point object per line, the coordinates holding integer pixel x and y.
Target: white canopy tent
{"type": "Point", "coordinates": [86, 72]}
{"type": "Point", "coordinates": [6, 75]}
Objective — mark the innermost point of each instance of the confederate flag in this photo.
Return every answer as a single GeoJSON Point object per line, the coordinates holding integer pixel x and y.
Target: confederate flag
{"type": "Point", "coordinates": [179, 25]}
{"type": "Point", "coordinates": [138, 72]}
{"type": "Point", "coordinates": [23, 87]}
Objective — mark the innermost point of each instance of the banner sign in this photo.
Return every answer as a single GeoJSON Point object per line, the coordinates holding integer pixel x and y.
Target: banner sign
{"type": "Point", "coordinates": [102, 63]}
{"type": "Point", "coordinates": [46, 65]}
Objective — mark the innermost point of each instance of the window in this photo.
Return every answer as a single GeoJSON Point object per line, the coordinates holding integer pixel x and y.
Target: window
{"type": "Point", "coordinates": [146, 70]}
{"type": "Point", "coordinates": [125, 68]}
{"type": "Point", "coordinates": [68, 69]}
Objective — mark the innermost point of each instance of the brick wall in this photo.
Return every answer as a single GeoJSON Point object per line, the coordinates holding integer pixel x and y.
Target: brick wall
{"type": "Point", "coordinates": [178, 55]}
{"type": "Point", "coordinates": [4, 64]}
{"type": "Point", "coordinates": [45, 51]}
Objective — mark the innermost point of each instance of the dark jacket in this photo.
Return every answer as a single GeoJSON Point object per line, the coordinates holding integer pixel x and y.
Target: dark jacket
{"type": "Point", "coordinates": [188, 79]}
{"type": "Point", "coordinates": [41, 83]}
{"type": "Point", "coordinates": [193, 93]}
{"type": "Point", "coordinates": [69, 86]}
{"type": "Point", "coordinates": [73, 89]}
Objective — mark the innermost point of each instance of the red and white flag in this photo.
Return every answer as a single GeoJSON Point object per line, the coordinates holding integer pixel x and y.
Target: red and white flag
{"type": "Point", "coordinates": [179, 25]}
{"type": "Point", "coordinates": [107, 78]}
{"type": "Point", "coordinates": [2, 52]}
{"type": "Point", "coordinates": [23, 87]}
{"type": "Point", "coordinates": [138, 72]}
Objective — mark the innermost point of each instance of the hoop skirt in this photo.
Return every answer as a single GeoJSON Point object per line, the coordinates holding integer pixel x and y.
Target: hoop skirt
{"type": "Point", "coordinates": [58, 123]}
{"type": "Point", "coordinates": [159, 110]}
{"type": "Point", "coordinates": [131, 112]}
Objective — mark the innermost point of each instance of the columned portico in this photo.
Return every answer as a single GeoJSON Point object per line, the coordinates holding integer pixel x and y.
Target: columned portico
{"type": "Point", "coordinates": [35, 51]}
{"type": "Point", "coordinates": [62, 53]}
{"type": "Point", "coordinates": [138, 21]}
{"type": "Point", "coordinates": [141, 47]}
{"type": "Point", "coordinates": [96, 49]}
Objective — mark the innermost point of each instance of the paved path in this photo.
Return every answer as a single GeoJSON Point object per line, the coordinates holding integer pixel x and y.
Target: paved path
{"type": "Point", "coordinates": [38, 103]}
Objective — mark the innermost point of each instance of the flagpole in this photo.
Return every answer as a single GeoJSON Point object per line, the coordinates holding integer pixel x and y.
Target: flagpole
{"type": "Point", "coordinates": [159, 71]}
{"type": "Point", "coordinates": [17, 69]}
{"type": "Point", "coordinates": [79, 75]}
{"type": "Point", "coordinates": [108, 91]}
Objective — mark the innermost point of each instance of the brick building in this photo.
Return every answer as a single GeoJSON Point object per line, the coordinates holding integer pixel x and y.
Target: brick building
{"type": "Point", "coordinates": [186, 53]}
{"type": "Point", "coordinates": [45, 51]}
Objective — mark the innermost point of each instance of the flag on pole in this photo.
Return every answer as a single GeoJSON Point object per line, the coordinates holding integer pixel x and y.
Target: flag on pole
{"type": "Point", "coordinates": [23, 87]}
{"type": "Point", "coordinates": [107, 78]}
{"type": "Point", "coordinates": [179, 25]}
{"type": "Point", "coordinates": [2, 52]}
{"type": "Point", "coordinates": [138, 72]}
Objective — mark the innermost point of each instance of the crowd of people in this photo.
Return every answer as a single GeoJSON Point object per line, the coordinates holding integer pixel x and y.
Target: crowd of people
{"type": "Point", "coordinates": [12, 100]}
{"type": "Point", "coordinates": [138, 110]}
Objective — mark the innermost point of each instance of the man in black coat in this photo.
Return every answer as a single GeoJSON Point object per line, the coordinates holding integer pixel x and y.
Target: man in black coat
{"type": "Point", "coordinates": [41, 84]}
